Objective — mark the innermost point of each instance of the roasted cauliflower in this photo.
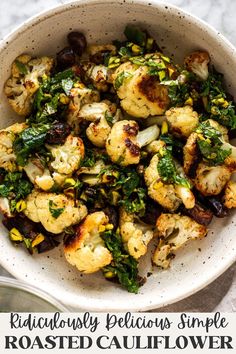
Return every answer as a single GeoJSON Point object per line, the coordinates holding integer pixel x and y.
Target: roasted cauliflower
{"type": "Point", "coordinates": [211, 180]}
{"type": "Point", "coordinates": [25, 79]}
{"type": "Point", "coordinates": [38, 174]}
{"type": "Point", "coordinates": [197, 62]}
{"type": "Point", "coordinates": [182, 121]}
{"type": "Point", "coordinates": [169, 195]}
{"type": "Point", "coordinates": [7, 137]}
{"type": "Point", "coordinates": [125, 141]}
{"type": "Point", "coordinates": [5, 207]}
{"type": "Point", "coordinates": [54, 211]}
{"type": "Point", "coordinates": [98, 131]}
{"type": "Point", "coordinates": [230, 195]}
{"type": "Point", "coordinates": [141, 95]}
{"type": "Point", "coordinates": [78, 97]}
{"type": "Point", "coordinates": [135, 234]}
{"type": "Point", "coordinates": [86, 250]}
{"type": "Point", "coordinates": [174, 231]}
{"type": "Point", "coordinates": [67, 157]}
{"type": "Point", "coordinates": [99, 75]}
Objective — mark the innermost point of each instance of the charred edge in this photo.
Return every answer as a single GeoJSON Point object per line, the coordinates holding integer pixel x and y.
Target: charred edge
{"type": "Point", "coordinates": [131, 130]}
{"type": "Point", "coordinates": [133, 148]}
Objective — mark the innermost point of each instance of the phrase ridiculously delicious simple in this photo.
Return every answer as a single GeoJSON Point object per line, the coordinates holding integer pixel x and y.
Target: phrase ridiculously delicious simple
{"type": "Point", "coordinates": [128, 320]}
{"type": "Point", "coordinates": [106, 331]}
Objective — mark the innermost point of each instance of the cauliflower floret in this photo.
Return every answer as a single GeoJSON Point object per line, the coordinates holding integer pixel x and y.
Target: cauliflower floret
{"type": "Point", "coordinates": [155, 146]}
{"type": "Point", "coordinates": [79, 96]}
{"type": "Point", "coordinates": [7, 137]}
{"type": "Point", "coordinates": [135, 234]}
{"type": "Point", "coordinates": [24, 81]}
{"type": "Point", "coordinates": [54, 211]}
{"type": "Point", "coordinates": [38, 174]}
{"type": "Point", "coordinates": [174, 231]}
{"type": "Point", "coordinates": [99, 129]}
{"type": "Point", "coordinates": [141, 95]}
{"type": "Point", "coordinates": [211, 180]}
{"type": "Point", "coordinates": [169, 195]}
{"type": "Point", "coordinates": [101, 48]}
{"type": "Point", "coordinates": [67, 157]}
{"type": "Point", "coordinates": [7, 156]}
{"type": "Point", "coordinates": [190, 153]}
{"type": "Point", "coordinates": [99, 75]}
{"type": "Point", "coordinates": [230, 195]}
{"type": "Point", "coordinates": [164, 194]}
{"type": "Point", "coordinates": [182, 120]}
{"type": "Point", "coordinates": [86, 250]}
{"type": "Point", "coordinates": [5, 207]}
{"type": "Point", "coordinates": [223, 130]}
{"type": "Point", "coordinates": [125, 141]}
{"type": "Point", "coordinates": [16, 128]}
{"type": "Point", "coordinates": [197, 62]}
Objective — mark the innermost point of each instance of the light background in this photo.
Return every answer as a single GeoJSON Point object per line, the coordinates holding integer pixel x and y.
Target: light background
{"type": "Point", "coordinates": [221, 294]}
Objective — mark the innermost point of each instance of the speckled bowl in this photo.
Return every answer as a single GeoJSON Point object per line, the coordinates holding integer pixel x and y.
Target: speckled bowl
{"type": "Point", "coordinates": [200, 262]}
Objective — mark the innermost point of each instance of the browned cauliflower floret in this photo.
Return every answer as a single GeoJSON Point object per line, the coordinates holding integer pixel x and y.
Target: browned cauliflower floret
{"type": "Point", "coordinates": [67, 157]}
{"type": "Point", "coordinates": [135, 234]}
{"type": "Point", "coordinates": [7, 137]}
{"type": "Point", "coordinates": [125, 141]}
{"type": "Point", "coordinates": [98, 131]}
{"type": "Point", "coordinates": [25, 80]}
{"type": "Point", "coordinates": [54, 211]}
{"type": "Point", "coordinates": [86, 250]}
{"type": "Point", "coordinates": [197, 62]}
{"type": "Point", "coordinates": [182, 120]}
{"type": "Point", "coordinates": [79, 96]}
{"type": "Point", "coordinates": [141, 94]}
{"type": "Point", "coordinates": [99, 75]}
{"type": "Point", "coordinates": [38, 174]}
{"type": "Point", "coordinates": [174, 231]}
{"type": "Point", "coordinates": [230, 195]}
{"type": "Point", "coordinates": [190, 153]}
{"type": "Point", "coordinates": [5, 207]}
{"type": "Point", "coordinates": [211, 180]}
{"type": "Point", "coordinates": [169, 195]}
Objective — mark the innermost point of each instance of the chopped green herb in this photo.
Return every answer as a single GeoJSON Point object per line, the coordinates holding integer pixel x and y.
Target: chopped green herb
{"type": "Point", "coordinates": [55, 212]}
{"type": "Point", "coordinates": [220, 106]}
{"type": "Point", "coordinates": [210, 144]}
{"type": "Point", "coordinates": [109, 118]}
{"type": "Point", "coordinates": [135, 35]}
{"type": "Point", "coordinates": [29, 140]}
{"type": "Point", "coordinates": [120, 79]}
{"type": "Point", "coordinates": [168, 171]}
{"type": "Point", "coordinates": [67, 85]}
{"type": "Point", "coordinates": [123, 266]}
{"type": "Point", "coordinates": [21, 67]}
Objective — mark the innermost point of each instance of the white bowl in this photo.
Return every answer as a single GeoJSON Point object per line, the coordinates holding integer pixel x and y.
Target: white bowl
{"type": "Point", "coordinates": [179, 33]}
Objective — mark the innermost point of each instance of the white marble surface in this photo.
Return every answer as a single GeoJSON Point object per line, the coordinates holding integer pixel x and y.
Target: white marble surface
{"type": "Point", "coordinates": [220, 295]}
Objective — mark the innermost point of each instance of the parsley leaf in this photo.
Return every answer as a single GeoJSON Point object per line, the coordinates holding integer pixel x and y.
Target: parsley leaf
{"type": "Point", "coordinates": [168, 171]}
{"type": "Point", "coordinates": [120, 79]}
{"type": "Point", "coordinates": [123, 266]}
{"type": "Point", "coordinates": [29, 140]}
{"type": "Point", "coordinates": [21, 67]}
{"type": "Point", "coordinates": [210, 144]}
{"type": "Point", "coordinates": [55, 212]}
